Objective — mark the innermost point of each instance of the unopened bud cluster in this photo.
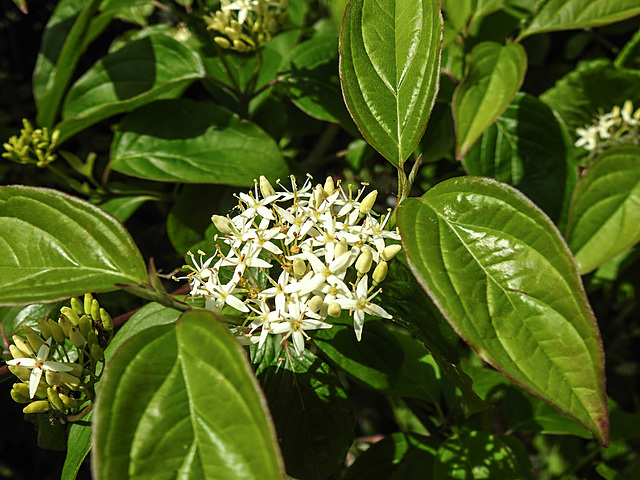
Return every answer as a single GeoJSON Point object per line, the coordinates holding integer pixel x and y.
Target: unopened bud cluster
{"type": "Point", "coordinates": [620, 126]}
{"type": "Point", "coordinates": [32, 146]}
{"type": "Point", "coordinates": [296, 258]}
{"type": "Point", "coordinates": [245, 25]}
{"type": "Point", "coordinates": [59, 363]}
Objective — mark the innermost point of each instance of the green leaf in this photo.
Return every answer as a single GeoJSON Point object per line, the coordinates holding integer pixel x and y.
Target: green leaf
{"type": "Point", "coordinates": [593, 88]}
{"type": "Point", "coordinates": [12, 318]}
{"type": "Point", "coordinates": [605, 216]}
{"type": "Point", "coordinates": [399, 456]}
{"type": "Point", "coordinates": [181, 400]}
{"type": "Point", "coordinates": [501, 274]}
{"type": "Point", "coordinates": [142, 71]}
{"type": "Point", "coordinates": [194, 142]}
{"type": "Point", "coordinates": [310, 409]}
{"type": "Point", "coordinates": [78, 447]}
{"type": "Point", "coordinates": [54, 246]}
{"type": "Point", "coordinates": [571, 14]}
{"type": "Point", "coordinates": [389, 68]}
{"type": "Point", "coordinates": [63, 43]}
{"type": "Point", "coordinates": [479, 455]}
{"type": "Point", "coordinates": [527, 147]}
{"type": "Point", "coordinates": [494, 75]}
{"type": "Point", "coordinates": [123, 207]}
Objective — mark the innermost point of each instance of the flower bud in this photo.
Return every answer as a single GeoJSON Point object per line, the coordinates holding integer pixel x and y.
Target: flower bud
{"type": "Point", "coordinates": [389, 252]}
{"type": "Point", "coordinates": [68, 401]}
{"type": "Point", "coordinates": [222, 42]}
{"type": "Point", "coordinates": [334, 309]}
{"type": "Point", "coordinates": [329, 186]}
{"type": "Point", "coordinates": [380, 272]}
{"type": "Point", "coordinates": [77, 307]}
{"type": "Point", "coordinates": [88, 300]}
{"type": "Point", "coordinates": [22, 389]}
{"type": "Point", "coordinates": [92, 338]}
{"type": "Point", "coordinates": [69, 380]}
{"type": "Point", "coordinates": [341, 248]}
{"type": "Point", "coordinates": [23, 373]}
{"type": "Point", "coordinates": [40, 406]}
{"type": "Point", "coordinates": [18, 397]}
{"type": "Point", "coordinates": [23, 345]}
{"type": "Point", "coordinates": [318, 196]}
{"type": "Point", "coordinates": [369, 201]}
{"type": "Point", "coordinates": [627, 108]}
{"type": "Point", "coordinates": [56, 331]}
{"type": "Point", "coordinates": [71, 315]}
{"type": "Point", "coordinates": [52, 378]}
{"type": "Point", "coordinates": [95, 309]}
{"type": "Point", "coordinates": [96, 352]}
{"type": "Point", "coordinates": [65, 325]}
{"type": "Point", "coordinates": [363, 264]}
{"type": "Point", "coordinates": [76, 337]}
{"type": "Point", "coordinates": [299, 267]}
{"type": "Point", "coordinates": [223, 224]}
{"type": "Point", "coordinates": [77, 370]}
{"type": "Point", "coordinates": [315, 303]}
{"type": "Point", "coordinates": [33, 338]}
{"type": "Point", "coordinates": [265, 187]}
{"type": "Point", "coordinates": [16, 353]}
{"type": "Point", "coordinates": [107, 322]}
{"type": "Point", "coordinates": [86, 325]}
{"type": "Point", "coordinates": [45, 330]}
{"type": "Point", "coordinates": [55, 400]}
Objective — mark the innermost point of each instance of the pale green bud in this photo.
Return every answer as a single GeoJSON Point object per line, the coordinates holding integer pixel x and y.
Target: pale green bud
{"type": "Point", "coordinates": [71, 315]}
{"type": "Point", "coordinates": [107, 322]}
{"type": "Point", "coordinates": [95, 309]}
{"type": "Point", "coordinates": [56, 331]}
{"type": "Point", "coordinates": [19, 398]}
{"type": "Point", "coordinates": [55, 400]}
{"type": "Point", "coordinates": [380, 272]}
{"type": "Point", "coordinates": [33, 338]}
{"type": "Point", "coordinates": [334, 309]}
{"type": "Point", "coordinates": [389, 252]}
{"type": "Point", "coordinates": [16, 352]}
{"type": "Point", "coordinates": [23, 373]}
{"type": "Point", "coordinates": [68, 401]}
{"type": "Point", "coordinates": [96, 352]}
{"type": "Point", "coordinates": [69, 380]}
{"type": "Point", "coordinates": [76, 337]}
{"type": "Point", "coordinates": [265, 187]}
{"type": "Point", "coordinates": [240, 46]}
{"type": "Point", "coordinates": [88, 300]}
{"type": "Point", "coordinates": [318, 196]}
{"type": "Point", "coordinates": [329, 186]}
{"type": "Point", "coordinates": [341, 248]}
{"type": "Point", "coordinates": [92, 338]}
{"type": "Point", "coordinates": [45, 330]}
{"type": "Point", "coordinates": [22, 389]}
{"type": "Point", "coordinates": [40, 406]}
{"type": "Point", "coordinates": [627, 108]}
{"type": "Point", "coordinates": [316, 303]}
{"type": "Point", "coordinates": [223, 224]}
{"type": "Point", "coordinates": [77, 307]}
{"type": "Point", "coordinates": [299, 267]}
{"type": "Point", "coordinates": [65, 325]}
{"type": "Point", "coordinates": [363, 264]}
{"type": "Point", "coordinates": [86, 325]}
{"type": "Point", "coordinates": [222, 42]}
{"type": "Point", "coordinates": [369, 201]}
{"type": "Point", "coordinates": [77, 370]}
{"type": "Point", "coordinates": [52, 378]}
{"type": "Point", "coordinates": [23, 345]}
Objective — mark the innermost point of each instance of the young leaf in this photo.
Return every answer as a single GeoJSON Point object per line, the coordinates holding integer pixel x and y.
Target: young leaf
{"type": "Point", "coordinates": [571, 14]}
{"type": "Point", "coordinates": [389, 68]}
{"type": "Point", "coordinates": [54, 246]}
{"type": "Point", "coordinates": [213, 423]}
{"type": "Point", "coordinates": [310, 408]}
{"type": "Point", "coordinates": [494, 75]}
{"type": "Point", "coordinates": [527, 147]}
{"type": "Point", "coordinates": [605, 216]}
{"type": "Point", "coordinates": [186, 141]}
{"type": "Point", "coordinates": [78, 447]}
{"type": "Point", "coordinates": [501, 274]}
{"type": "Point", "coordinates": [142, 71]}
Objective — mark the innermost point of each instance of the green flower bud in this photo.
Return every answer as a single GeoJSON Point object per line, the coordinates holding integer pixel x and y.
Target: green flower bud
{"type": "Point", "coordinates": [86, 325]}
{"type": "Point", "coordinates": [299, 267]}
{"type": "Point", "coordinates": [92, 338]}
{"type": "Point", "coordinates": [71, 315]}
{"type": "Point", "coordinates": [240, 46]}
{"type": "Point", "coordinates": [223, 224]}
{"type": "Point", "coordinates": [16, 352]}
{"type": "Point", "coordinates": [76, 337]}
{"type": "Point", "coordinates": [389, 252]}
{"type": "Point", "coordinates": [265, 187]}
{"type": "Point", "coordinates": [45, 330]}
{"type": "Point", "coordinates": [52, 378]}
{"type": "Point", "coordinates": [318, 196]}
{"type": "Point", "coordinates": [316, 303]}
{"type": "Point", "coordinates": [22, 389]}
{"type": "Point", "coordinates": [69, 380]}
{"type": "Point", "coordinates": [329, 186]}
{"type": "Point", "coordinates": [56, 331]}
{"type": "Point", "coordinates": [77, 307]}
{"type": "Point", "coordinates": [23, 373]}
{"type": "Point", "coordinates": [33, 338]}
{"type": "Point", "coordinates": [363, 264]}
{"type": "Point", "coordinates": [19, 398]}
{"type": "Point", "coordinates": [380, 272]}
{"type": "Point", "coordinates": [369, 201]}
{"type": "Point", "coordinates": [107, 322]}
{"type": "Point", "coordinates": [65, 325]}
{"type": "Point", "coordinates": [95, 309]}
{"type": "Point", "coordinates": [334, 309]}
{"type": "Point", "coordinates": [341, 248]}
{"type": "Point", "coordinates": [55, 400]}
{"type": "Point", "coordinates": [96, 352]}
{"type": "Point", "coordinates": [222, 42]}
{"type": "Point", "coordinates": [23, 345]}
{"type": "Point", "coordinates": [40, 406]}
{"type": "Point", "coordinates": [68, 401]}
{"type": "Point", "coordinates": [88, 300]}
{"type": "Point", "coordinates": [77, 370]}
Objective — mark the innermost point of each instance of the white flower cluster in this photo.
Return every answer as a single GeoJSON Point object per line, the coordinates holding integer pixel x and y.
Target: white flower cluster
{"type": "Point", "coordinates": [296, 258]}
{"type": "Point", "coordinates": [620, 126]}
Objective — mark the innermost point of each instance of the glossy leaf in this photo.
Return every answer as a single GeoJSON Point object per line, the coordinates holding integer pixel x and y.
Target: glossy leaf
{"type": "Point", "coordinates": [571, 14]}
{"type": "Point", "coordinates": [493, 77]}
{"type": "Point", "coordinates": [12, 318]}
{"type": "Point", "coordinates": [123, 207]}
{"type": "Point", "coordinates": [503, 277]}
{"type": "Point", "coordinates": [605, 216]}
{"type": "Point", "coordinates": [54, 246]}
{"type": "Point", "coordinates": [389, 68]}
{"type": "Point", "coordinates": [62, 45]}
{"type": "Point", "coordinates": [78, 447]}
{"type": "Point", "coordinates": [310, 408]}
{"type": "Point", "coordinates": [399, 456]}
{"type": "Point", "coordinates": [527, 147]}
{"type": "Point", "coordinates": [194, 142]}
{"type": "Point", "coordinates": [213, 424]}
{"type": "Point", "coordinates": [142, 71]}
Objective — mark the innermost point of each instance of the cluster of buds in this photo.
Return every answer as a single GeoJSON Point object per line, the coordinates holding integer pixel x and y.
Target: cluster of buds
{"type": "Point", "coordinates": [59, 366]}
{"type": "Point", "coordinates": [245, 25]}
{"type": "Point", "coordinates": [294, 259]}
{"type": "Point", "coordinates": [620, 126]}
{"type": "Point", "coordinates": [32, 146]}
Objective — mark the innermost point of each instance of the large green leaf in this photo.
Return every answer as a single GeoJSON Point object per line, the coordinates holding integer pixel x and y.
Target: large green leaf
{"type": "Point", "coordinates": [502, 275]}
{"type": "Point", "coordinates": [63, 43]}
{"type": "Point", "coordinates": [144, 70]}
{"type": "Point", "coordinates": [54, 246]}
{"type": "Point", "coordinates": [78, 447]}
{"type": "Point", "coordinates": [572, 14]}
{"type": "Point", "coordinates": [494, 75]}
{"type": "Point", "coordinates": [185, 141]}
{"type": "Point", "coordinates": [181, 400]}
{"type": "Point", "coordinates": [310, 408]}
{"type": "Point", "coordinates": [605, 215]}
{"type": "Point", "coordinates": [389, 68]}
{"type": "Point", "coordinates": [527, 147]}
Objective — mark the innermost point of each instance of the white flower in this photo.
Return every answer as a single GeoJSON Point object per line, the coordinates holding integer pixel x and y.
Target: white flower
{"type": "Point", "coordinates": [361, 304]}
{"type": "Point", "coordinates": [243, 7]}
{"type": "Point", "coordinates": [38, 365]}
